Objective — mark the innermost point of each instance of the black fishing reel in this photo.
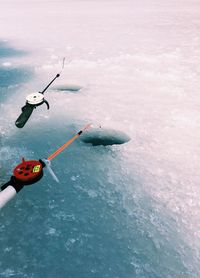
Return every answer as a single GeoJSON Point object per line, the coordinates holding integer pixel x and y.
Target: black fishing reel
{"type": "Point", "coordinates": [32, 101]}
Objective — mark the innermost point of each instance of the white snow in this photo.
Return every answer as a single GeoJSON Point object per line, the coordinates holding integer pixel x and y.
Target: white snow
{"type": "Point", "coordinates": [139, 64]}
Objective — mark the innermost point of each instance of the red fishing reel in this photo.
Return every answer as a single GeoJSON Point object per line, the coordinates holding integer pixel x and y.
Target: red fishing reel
{"type": "Point", "coordinates": [29, 172]}
{"type": "Point", "coordinates": [25, 173]}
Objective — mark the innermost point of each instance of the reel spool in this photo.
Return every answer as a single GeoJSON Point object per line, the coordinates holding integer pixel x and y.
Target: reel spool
{"type": "Point", "coordinates": [35, 98]}
{"type": "Point", "coordinates": [28, 172]}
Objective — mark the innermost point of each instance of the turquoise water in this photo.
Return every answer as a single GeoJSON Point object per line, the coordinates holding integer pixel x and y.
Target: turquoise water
{"type": "Point", "coordinates": [119, 211]}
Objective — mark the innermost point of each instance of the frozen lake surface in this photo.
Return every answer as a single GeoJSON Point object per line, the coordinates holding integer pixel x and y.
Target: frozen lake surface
{"type": "Point", "coordinates": [120, 211]}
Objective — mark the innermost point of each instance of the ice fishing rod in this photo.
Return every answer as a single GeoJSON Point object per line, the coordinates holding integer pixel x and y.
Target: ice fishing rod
{"type": "Point", "coordinates": [31, 171]}
{"type": "Point", "coordinates": [34, 100]}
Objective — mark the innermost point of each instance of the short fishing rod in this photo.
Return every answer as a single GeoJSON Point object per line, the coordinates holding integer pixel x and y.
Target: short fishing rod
{"type": "Point", "coordinates": [34, 100]}
{"type": "Point", "coordinates": [31, 171]}
{"type": "Point", "coordinates": [57, 75]}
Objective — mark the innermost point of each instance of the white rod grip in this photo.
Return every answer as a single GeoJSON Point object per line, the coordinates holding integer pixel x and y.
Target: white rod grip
{"type": "Point", "coordinates": [6, 195]}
